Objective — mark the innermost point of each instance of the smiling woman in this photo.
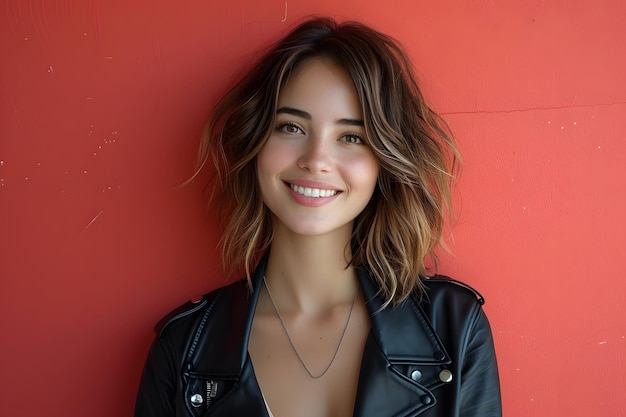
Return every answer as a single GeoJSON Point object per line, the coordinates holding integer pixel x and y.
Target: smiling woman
{"type": "Point", "coordinates": [333, 178]}
{"type": "Point", "coordinates": [315, 171]}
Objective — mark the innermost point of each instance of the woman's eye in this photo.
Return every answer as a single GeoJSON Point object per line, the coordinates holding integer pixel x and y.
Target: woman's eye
{"type": "Point", "coordinates": [352, 138]}
{"type": "Point", "coordinates": [290, 128]}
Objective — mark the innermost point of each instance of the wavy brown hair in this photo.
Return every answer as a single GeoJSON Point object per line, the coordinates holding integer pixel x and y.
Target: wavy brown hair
{"type": "Point", "coordinates": [404, 220]}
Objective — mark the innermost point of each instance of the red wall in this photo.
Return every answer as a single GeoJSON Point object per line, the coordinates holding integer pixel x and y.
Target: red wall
{"type": "Point", "coordinates": [101, 106]}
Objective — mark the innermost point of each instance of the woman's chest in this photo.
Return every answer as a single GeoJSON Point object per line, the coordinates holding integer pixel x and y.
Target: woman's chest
{"type": "Point", "coordinates": [312, 373]}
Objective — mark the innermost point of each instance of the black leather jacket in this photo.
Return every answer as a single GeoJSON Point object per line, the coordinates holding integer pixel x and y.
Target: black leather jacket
{"type": "Point", "coordinates": [434, 358]}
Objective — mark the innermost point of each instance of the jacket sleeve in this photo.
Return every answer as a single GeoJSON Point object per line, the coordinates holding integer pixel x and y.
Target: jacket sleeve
{"type": "Point", "coordinates": [480, 387]}
{"type": "Point", "coordinates": [157, 388]}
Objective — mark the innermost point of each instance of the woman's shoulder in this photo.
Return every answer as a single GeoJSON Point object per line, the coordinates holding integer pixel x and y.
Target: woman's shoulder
{"type": "Point", "coordinates": [439, 286]}
{"type": "Point", "coordinates": [449, 302]}
{"type": "Point", "coordinates": [193, 311]}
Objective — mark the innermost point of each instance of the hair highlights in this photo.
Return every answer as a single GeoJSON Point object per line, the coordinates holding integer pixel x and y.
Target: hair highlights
{"type": "Point", "coordinates": [404, 220]}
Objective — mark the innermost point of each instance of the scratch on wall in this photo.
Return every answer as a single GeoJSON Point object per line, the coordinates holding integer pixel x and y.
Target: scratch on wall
{"type": "Point", "coordinates": [285, 16]}
{"type": "Point", "coordinates": [93, 220]}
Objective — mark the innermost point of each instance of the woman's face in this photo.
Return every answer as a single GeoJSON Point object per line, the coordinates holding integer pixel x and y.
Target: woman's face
{"type": "Point", "coordinates": [315, 172]}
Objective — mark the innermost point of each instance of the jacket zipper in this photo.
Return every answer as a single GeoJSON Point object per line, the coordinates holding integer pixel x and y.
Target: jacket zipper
{"type": "Point", "coordinates": [211, 392]}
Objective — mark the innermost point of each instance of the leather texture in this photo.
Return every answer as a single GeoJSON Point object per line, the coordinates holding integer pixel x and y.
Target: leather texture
{"type": "Point", "coordinates": [432, 358]}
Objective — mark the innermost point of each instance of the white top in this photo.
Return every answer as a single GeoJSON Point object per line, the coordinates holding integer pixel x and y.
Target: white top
{"type": "Point", "coordinates": [267, 406]}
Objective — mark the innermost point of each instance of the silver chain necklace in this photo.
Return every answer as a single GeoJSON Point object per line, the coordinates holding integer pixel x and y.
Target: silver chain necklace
{"type": "Point", "coordinates": [293, 346]}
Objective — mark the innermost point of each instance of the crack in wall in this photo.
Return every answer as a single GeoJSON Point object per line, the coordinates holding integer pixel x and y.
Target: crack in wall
{"type": "Point", "coordinates": [573, 106]}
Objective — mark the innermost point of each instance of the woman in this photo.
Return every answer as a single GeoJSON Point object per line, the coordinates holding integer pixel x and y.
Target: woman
{"type": "Point", "coordinates": [333, 179]}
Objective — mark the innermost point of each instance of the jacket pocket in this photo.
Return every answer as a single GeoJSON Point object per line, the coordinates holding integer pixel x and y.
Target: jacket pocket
{"type": "Point", "coordinates": [201, 393]}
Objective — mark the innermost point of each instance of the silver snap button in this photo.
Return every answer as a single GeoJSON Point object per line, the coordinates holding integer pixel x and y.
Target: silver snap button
{"type": "Point", "coordinates": [445, 375]}
{"type": "Point", "coordinates": [196, 400]}
{"type": "Point", "coordinates": [416, 375]}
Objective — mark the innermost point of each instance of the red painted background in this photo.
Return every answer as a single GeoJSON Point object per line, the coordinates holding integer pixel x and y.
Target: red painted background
{"type": "Point", "coordinates": [101, 107]}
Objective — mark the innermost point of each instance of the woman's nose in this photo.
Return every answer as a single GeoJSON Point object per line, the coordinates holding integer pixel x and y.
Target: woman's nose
{"type": "Point", "coordinates": [316, 156]}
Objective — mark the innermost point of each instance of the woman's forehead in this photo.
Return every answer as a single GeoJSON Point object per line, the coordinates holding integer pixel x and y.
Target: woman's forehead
{"type": "Point", "coordinates": [320, 84]}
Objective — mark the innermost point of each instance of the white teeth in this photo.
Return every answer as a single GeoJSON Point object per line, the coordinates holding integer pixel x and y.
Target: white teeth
{"type": "Point", "coordinates": [312, 192]}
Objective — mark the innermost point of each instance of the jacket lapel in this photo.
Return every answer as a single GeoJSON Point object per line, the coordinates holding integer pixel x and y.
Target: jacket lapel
{"type": "Point", "coordinates": [401, 360]}
{"type": "Point", "coordinates": [224, 340]}
{"type": "Point", "coordinates": [220, 354]}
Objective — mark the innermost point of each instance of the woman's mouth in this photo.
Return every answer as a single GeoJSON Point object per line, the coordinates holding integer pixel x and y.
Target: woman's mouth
{"type": "Point", "coordinates": [312, 192]}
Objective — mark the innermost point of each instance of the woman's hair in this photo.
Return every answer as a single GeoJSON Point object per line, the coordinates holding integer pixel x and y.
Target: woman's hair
{"type": "Point", "coordinates": [403, 222]}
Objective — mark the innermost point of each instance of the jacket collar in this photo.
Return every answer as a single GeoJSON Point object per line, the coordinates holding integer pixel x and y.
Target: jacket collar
{"type": "Point", "coordinates": [403, 333]}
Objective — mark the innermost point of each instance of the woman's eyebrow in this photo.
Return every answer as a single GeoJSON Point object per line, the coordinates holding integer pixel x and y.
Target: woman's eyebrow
{"type": "Point", "coordinates": [294, 112]}
{"type": "Point", "coordinates": [350, 122]}
{"type": "Point", "coordinates": [307, 116]}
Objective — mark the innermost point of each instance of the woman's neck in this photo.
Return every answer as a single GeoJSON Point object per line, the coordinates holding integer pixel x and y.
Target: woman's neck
{"type": "Point", "coordinates": [309, 274]}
